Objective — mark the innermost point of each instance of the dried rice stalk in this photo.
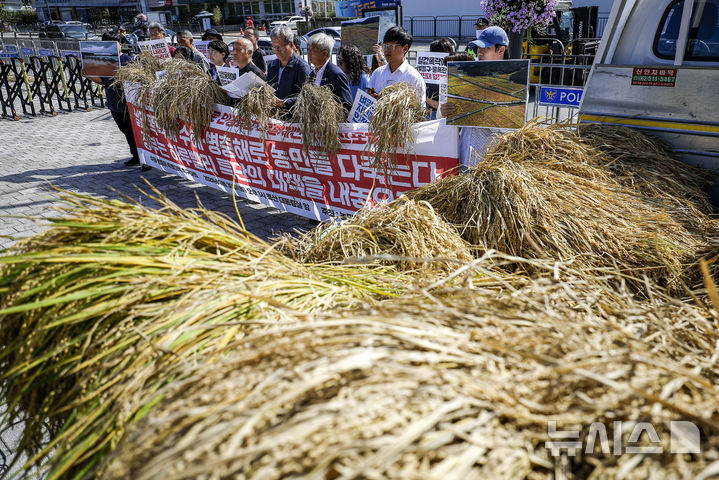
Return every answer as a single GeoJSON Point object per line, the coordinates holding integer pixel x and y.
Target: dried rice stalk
{"type": "Point", "coordinates": [319, 114]}
{"type": "Point", "coordinates": [102, 305]}
{"type": "Point", "coordinates": [526, 200]}
{"type": "Point", "coordinates": [395, 112]}
{"type": "Point", "coordinates": [464, 384]}
{"type": "Point", "coordinates": [140, 74]}
{"type": "Point", "coordinates": [407, 230]}
{"type": "Point", "coordinates": [257, 104]}
{"type": "Point", "coordinates": [648, 165]}
{"type": "Point", "coordinates": [186, 94]}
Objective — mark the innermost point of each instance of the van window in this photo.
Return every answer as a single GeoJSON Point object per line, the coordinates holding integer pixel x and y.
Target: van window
{"type": "Point", "coordinates": [703, 43]}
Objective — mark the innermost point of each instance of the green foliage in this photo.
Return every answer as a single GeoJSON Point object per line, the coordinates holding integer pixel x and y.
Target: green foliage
{"type": "Point", "coordinates": [216, 15]}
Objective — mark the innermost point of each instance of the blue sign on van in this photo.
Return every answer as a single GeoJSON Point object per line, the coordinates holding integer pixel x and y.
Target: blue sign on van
{"type": "Point", "coordinates": [26, 51]}
{"type": "Point", "coordinates": [44, 52]}
{"type": "Point", "coordinates": [74, 53]}
{"type": "Point", "coordinates": [566, 97]}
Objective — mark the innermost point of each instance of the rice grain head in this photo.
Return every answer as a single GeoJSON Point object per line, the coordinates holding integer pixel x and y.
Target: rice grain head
{"type": "Point", "coordinates": [319, 114]}
{"type": "Point", "coordinates": [257, 105]}
{"type": "Point", "coordinates": [390, 127]}
{"type": "Point", "coordinates": [185, 94]}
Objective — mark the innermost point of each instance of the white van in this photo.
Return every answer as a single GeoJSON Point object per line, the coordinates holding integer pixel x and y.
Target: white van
{"type": "Point", "coordinates": [657, 69]}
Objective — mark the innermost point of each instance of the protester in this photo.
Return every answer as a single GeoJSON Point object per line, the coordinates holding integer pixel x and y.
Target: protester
{"type": "Point", "coordinates": [184, 39]}
{"type": "Point", "coordinates": [288, 72]}
{"type": "Point", "coordinates": [218, 53]}
{"type": "Point", "coordinates": [395, 45]}
{"type": "Point", "coordinates": [157, 32]}
{"type": "Point", "coordinates": [242, 55]}
{"type": "Point", "coordinates": [480, 25]}
{"type": "Point", "coordinates": [184, 53]}
{"type": "Point", "coordinates": [211, 34]}
{"type": "Point", "coordinates": [319, 52]}
{"type": "Point", "coordinates": [249, 22]}
{"type": "Point", "coordinates": [257, 57]}
{"type": "Point", "coordinates": [297, 45]}
{"type": "Point", "coordinates": [350, 60]}
{"type": "Point", "coordinates": [116, 103]}
{"type": "Point", "coordinates": [439, 45]}
{"type": "Point", "coordinates": [459, 57]}
{"type": "Point", "coordinates": [492, 44]}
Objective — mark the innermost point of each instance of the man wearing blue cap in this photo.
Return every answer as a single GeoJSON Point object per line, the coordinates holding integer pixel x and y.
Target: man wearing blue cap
{"type": "Point", "coordinates": [491, 44]}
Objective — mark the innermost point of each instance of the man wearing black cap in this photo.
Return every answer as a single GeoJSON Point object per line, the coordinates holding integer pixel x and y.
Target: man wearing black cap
{"type": "Point", "coordinates": [480, 25]}
{"type": "Point", "coordinates": [211, 34]}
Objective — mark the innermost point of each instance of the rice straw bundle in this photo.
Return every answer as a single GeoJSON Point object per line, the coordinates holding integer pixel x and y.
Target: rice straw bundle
{"type": "Point", "coordinates": [646, 163]}
{"type": "Point", "coordinates": [518, 202]}
{"type": "Point", "coordinates": [185, 94]}
{"type": "Point", "coordinates": [110, 299]}
{"type": "Point", "coordinates": [141, 75]}
{"type": "Point", "coordinates": [465, 385]}
{"type": "Point", "coordinates": [319, 114]}
{"type": "Point", "coordinates": [409, 232]}
{"type": "Point", "coordinates": [397, 109]}
{"type": "Point", "coordinates": [257, 104]}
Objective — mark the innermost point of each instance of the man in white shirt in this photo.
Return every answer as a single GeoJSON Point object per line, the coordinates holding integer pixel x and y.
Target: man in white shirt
{"type": "Point", "coordinates": [395, 45]}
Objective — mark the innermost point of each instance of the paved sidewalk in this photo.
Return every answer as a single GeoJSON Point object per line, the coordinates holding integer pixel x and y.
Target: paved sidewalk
{"type": "Point", "coordinates": [84, 152]}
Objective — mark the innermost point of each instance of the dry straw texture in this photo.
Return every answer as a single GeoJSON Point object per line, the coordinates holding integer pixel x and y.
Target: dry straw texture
{"type": "Point", "coordinates": [395, 112]}
{"type": "Point", "coordinates": [398, 233]}
{"type": "Point", "coordinates": [140, 74]}
{"type": "Point", "coordinates": [257, 105]}
{"type": "Point", "coordinates": [540, 193]}
{"type": "Point", "coordinates": [185, 94]}
{"type": "Point", "coordinates": [460, 384]}
{"type": "Point", "coordinates": [109, 300]}
{"type": "Point", "coordinates": [319, 114]}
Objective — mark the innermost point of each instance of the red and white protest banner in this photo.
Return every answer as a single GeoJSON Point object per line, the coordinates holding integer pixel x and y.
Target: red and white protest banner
{"type": "Point", "coordinates": [279, 173]}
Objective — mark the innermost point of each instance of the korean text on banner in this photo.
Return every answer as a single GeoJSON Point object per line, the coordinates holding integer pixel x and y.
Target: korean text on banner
{"type": "Point", "coordinates": [280, 174]}
{"type": "Point", "coordinates": [157, 48]}
{"type": "Point", "coordinates": [227, 75]}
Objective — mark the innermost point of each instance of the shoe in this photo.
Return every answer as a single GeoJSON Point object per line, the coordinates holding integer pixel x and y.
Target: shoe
{"type": "Point", "coordinates": [131, 162]}
{"type": "Point", "coordinates": [145, 168]}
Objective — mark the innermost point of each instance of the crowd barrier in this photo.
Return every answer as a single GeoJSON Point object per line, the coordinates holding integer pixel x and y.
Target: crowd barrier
{"type": "Point", "coordinates": [44, 81]}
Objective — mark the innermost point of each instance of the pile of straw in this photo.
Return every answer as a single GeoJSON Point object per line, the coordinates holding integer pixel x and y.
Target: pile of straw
{"type": "Point", "coordinates": [404, 233]}
{"type": "Point", "coordinates": [141, 75]}
{"type": "Point", "coordinates": [397, 109]}
{"type": "Point", "coordinates": [541, 194]}
{"type": "Point", "coordinates": [109, 300]}
{"type": "Point", "coordinates": [462, 384]}
{"type": "Point", "coordinates": [186, 94]}
{"type": "Point", "coordinates": [259, 105]}
{"type": "Point", "coordinates": [648, 164]}
{"type": "Point", "coordinates": [319, 114]}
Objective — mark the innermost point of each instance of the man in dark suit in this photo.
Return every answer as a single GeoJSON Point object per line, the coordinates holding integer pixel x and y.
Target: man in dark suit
{"type": "Point", "coordinates": [288, 72]}
{"type": "Point", "coordinates": [326, 72]}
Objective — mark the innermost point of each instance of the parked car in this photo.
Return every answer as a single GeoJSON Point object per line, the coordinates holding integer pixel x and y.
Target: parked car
{"type": "Point", "coordinates": [75, 32]}
{"type": "Point", "coordinates": [334, 32]}
{"type": "Point", "coordinates": [289, 21]}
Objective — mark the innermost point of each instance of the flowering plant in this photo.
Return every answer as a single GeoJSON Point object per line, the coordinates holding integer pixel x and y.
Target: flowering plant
{"type": "Point", "coordinates": [306, 11]}
{"type": "Point", "coordinates": [518, 15]}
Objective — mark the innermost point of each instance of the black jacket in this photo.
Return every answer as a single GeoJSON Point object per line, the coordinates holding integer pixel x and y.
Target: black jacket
{"type": "Point", "coordinates": [293, 77]}
{"type": "Point", "coordinates": [335, 78]}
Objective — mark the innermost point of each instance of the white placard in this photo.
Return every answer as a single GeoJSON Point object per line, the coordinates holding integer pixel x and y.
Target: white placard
{"type": "Point", "coordinates": [362, 108]}
{"type": "Point", "coordinates": [227, 75]}
{"type": "Point", "coordinates": [201, 46]}
{"type": "Point", "coordinates": [434, 71]}
{"type": "Point", "coordinates": [242, 85]}
{"type": "Point", "coordinates": [157, 48]}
